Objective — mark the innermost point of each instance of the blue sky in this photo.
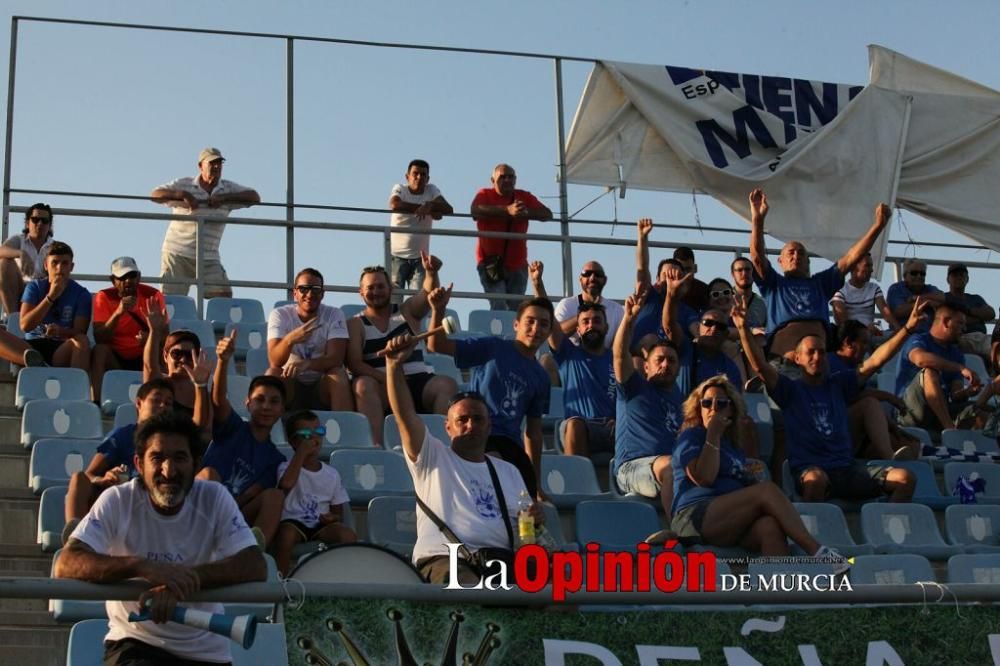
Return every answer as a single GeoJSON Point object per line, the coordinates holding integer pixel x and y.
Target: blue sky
{"type": "Point", "coordinates": [116, 111]}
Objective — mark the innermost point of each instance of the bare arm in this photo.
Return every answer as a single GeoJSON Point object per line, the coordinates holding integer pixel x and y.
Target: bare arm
{"type": "Point", "coordinates": [642, 276]}
{"type": "Point", "coordinates": [752, 347]}
{"type": "Point", "coordinates": [675, 280]}
{"type": "Point", "coordinates": [164, 195]}
{"type": "Point", "coordinates": [839, 311]}
{"type": "Point", "coordinates": [416, 307]}
{"type": "Point", "coordinates": [152, 352]}
{"type": "Point", "coordinates": [884, 352]}
{"type": "Point", "coordinates": [887, 314]}
{"type": "Point", "coordinates": [621, 355]}
{"type": "Point", "coordinates": [535, 271]}
{"type": "Point", "coordinates": [704, 469]}
{"type": "Point", "coordinates": [411, 426]}
{"type": "Point", "coordinates": [220, 398]}
{"type": "Point", "coordinates": [440, 343]}
{"type": "Point", "coordinates": [246, 566]}
{"type": "Point", "coordinates": [758, 250]}
{"type": "Point", "coordinates": [864, 244]}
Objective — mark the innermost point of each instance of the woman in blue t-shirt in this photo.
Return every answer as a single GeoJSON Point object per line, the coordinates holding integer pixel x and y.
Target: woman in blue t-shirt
{"type": "Point", "coordinates": [717, 500]}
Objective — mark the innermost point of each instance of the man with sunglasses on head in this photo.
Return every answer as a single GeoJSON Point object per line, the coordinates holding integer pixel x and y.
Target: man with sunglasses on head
{"type": "Point", "coordinates": [307, 348]}
{"type": "Point", "coordinates": [903, 294]}
{"type": "Point", "coordinates": [120, 326]}
{"type": "Point", "coordinates": [22, 257]}
{"type": "Point", "coordinates": [55, 312]}
{"type": "Point", "coordinates": [592, 282]}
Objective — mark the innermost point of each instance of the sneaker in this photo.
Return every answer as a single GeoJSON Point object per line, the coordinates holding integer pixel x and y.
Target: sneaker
{"type": "Point", "coordinates": [830, 556]}
{"type": "Point", "coordinates": [258, 534]}
{"type": "Point", "coordinates": [70, 526]}
{"type": "Point", "coordinates": [660, 537]}
{"type": "Point", "coordinates": [34, 359]}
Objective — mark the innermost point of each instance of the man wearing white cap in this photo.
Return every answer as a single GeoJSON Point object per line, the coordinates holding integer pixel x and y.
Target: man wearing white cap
{"type": "Point", "coordinates": [120, 326]}
{"type": "Point", "coordinates": [205, 194]}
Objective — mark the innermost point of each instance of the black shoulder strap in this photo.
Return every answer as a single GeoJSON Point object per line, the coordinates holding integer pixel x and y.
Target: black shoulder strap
{"type": "Point", "coordinates": [503, 503]}
{"type": "Point", "coordinates": [441, 525]}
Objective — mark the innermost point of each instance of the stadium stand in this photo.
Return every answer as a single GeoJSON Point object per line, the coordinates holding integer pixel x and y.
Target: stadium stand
{"type": "Point", "coordinates": [891, 569]}
{"type": "Point", "coordinates": [119, 388]}
{"type": "Point", "coordinates": [982, 569]}
{"type": "Point", "coordinates": [181, 307]}
{"type": "Point", "coordinates": [51, 384]}
{"type": "Point", "coordinates": [60, 418]}
{"type": "Point", "coordinates": [904, 528]}
{"type": "Point", "coordinates": [53, 461]}
{"type": "Point", "coordinates": [974, 527]}
{"type": "Point", "coordinates": [224, 311]}
{"type": "Point", "coordinates": [827, 524]}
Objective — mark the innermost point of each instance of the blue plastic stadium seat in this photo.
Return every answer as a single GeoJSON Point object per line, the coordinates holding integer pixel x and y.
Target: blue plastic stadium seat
{"type": "Point", "coordinates": [345, 430]}
{"type": "Point", "coordinates": [181, 307]}
{"type": "Point", "coordinates": [86, 643]}
{"type": "Point", "coordinates": [222, 311]}
{"type": "Point", "coordinates": [261, 610]}
{"type": "Point", "coordinates": [203, 329]}
{"type": "Point", "coordinates": [51, 518]}
{"type": "Point", "coordinates": [249, 335]}
{"type": "Point", "coordinates": [14, 324]}
{"type": "Point", "coordinates": [444, 364]}
{"type": "Point", "coordinates": [257, 362]}
{"type": "Point", "coordinates": [904, 528]}
{"type": "Point", "coordinates": [569, 480]}
{"type": "Point", "coordinates": [119, 387]}
{"type": "Point", "coordinates": [988, 472]}
{"type": "Point", "coordinates": [801, 566]}
{"type": "Point", "coordinates": [282, 303]}
{"type": "Point", "coordinates": [51, 384]}
{"type": "Point", "coordinates": [351, 309]}
{"type": "Point", "coordinates": [975, 363]}
{"type": "Point", "coordinates": [126, 414]}
{"type": "Point", "coordinates": [968, 441]}
{"type": "Point", "coordinates": [759, 409]}
{"type": "Point", "coordinates": [827, 524]}
{"type": "Point", "coordinates": [392, 524]}
{"type": "Point", "coordinates": [60, 418]}
{"type": "Point", "coordinates": [927, 491]}
{"type": "Point", "coordinates": [613, 524]}
{"type": "Point", "coordinates": [53, 461]}
{"type": "Point", "coordinates": [368, 473]}
{"type": "Point", "coordinates": [899, 569]}
{"type": "Point", "coordinates": [74, 610]}
{"type": "Point", "coordinates": [975, 527]}
{"type": "Point", "coordinates": [434, 423]}
{"type": "Point", "coordinates": [270, 647]}
{"type": "Point", "coordinates": [492, 322]}
{"type": "Point", "coordinates": [981, 569]}
{"type": "Point", "coordinates": [237, 387]}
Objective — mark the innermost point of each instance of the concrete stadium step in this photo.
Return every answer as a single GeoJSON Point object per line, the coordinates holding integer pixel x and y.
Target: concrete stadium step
{"type": "Point", "coordinates": [10, 428]}
{"type": "Point", "coordinates": [13, 467]}
{"type": "Point", "coordinates": [35, 645]}
{"type": "Point", "coordinates": [18, 520]}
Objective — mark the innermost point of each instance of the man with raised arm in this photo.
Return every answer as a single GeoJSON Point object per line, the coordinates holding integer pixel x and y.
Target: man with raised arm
{"type": "Point", "coordinates": [820, 452]}
{"type": "Point", "coordinates": [415, 205]}
{"type": "Point", "coordinates": [307, 348]}
{"type": "Point", "coordinates": [647, 326]}
{"type": "Point", "coordinates": [510, 379]}
{"type": "Point", "coordinates": [797, 301]}
{"type": "Point", "coordinates": [206, 194]}
{"type": "Point", "coordinates": [373, 327]}
{"type": "Point", "coordinates": [454, 481]}
{"type": "Point", "coordinates": [177, 534]}
{"type": "Point", "coordinates": [502, 263]}
{"type": "Point", "coordinates": [648, 412]}
{"type": "Point", "coordinates": [903, 294]}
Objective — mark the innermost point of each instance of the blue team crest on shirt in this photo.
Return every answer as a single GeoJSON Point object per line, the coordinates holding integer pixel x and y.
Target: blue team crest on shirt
{"type": "Point", "coordinates": [241, 477]}
{"type": "Point", "coordinates": [672, 418]}
{"type": "Point", "coordinates": [800, 298]}
{"type": "Point", "coordinates": [486, 503]}
{"type": "Point", "coordinates": [311, 509]}
{"type": "Point", "coordinates": [822, 420]}
{"type": "Point", "coordinates": [514, 388]}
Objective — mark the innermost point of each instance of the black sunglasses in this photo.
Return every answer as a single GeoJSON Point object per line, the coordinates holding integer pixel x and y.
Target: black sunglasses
{"type": "Point", "coordinates": [918, 273]}
{"type": "Point", "coordinates": [720, 403]}
{"type": "Point", "coordinates": [37, 219]}
{"type": "Point", "coordinates": [587, 274]}
{"type": "Point", "coordinates": [304, 289]}
{"type": "Point", "coordinates": [720, 293]}
{"type": "Point", "coordinates": [714, 323]}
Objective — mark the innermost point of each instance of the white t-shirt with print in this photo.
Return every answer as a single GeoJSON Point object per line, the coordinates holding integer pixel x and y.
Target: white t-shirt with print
{"type": "Point", "coordinates": [208, 527]}
{"type": "Point", "coordinates": [332, 326]}
{"type": "Point", "coordinates": [409, 246]}
{"type": "Point", "coordinates": [569, 307]}
{"type": "Point", "coordinates": [313, 494]}
{"type": "Point", "coordinates": [461, 493]}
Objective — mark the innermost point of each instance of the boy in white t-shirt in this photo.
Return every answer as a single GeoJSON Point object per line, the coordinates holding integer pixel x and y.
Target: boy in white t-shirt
{"type": "Point", "coordinates": [314, 494]}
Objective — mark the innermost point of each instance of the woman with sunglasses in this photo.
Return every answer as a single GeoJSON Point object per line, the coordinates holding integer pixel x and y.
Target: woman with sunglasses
{"type": "Point", "coordinates": [717, 500]}
{"type": "Point", "coordinates": [22, 257]}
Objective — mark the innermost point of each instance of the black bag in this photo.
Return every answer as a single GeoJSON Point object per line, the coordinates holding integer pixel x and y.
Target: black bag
{"type": "Point", "coordinates": [493, 268]}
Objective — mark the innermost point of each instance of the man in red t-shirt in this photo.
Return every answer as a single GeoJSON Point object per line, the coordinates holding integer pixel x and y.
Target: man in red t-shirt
{"type": "Point", "coordinates": [120, 326]}
{"type": "Point", "coordinates": [503, 262]}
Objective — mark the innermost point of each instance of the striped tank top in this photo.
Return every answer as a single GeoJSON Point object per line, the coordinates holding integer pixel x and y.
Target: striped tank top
{"type": "Point", "coordinates": [376, 339]}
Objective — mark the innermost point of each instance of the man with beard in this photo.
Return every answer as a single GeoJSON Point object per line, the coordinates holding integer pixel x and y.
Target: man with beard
{"type": "Point", "coordinates": [176, 534]}
{"type": "Point", "coordinates": [373, 327]}
{"type": "Point", "coordinates": [120, 327]}
{"type": "Point", "coordinates": [820, 452]}
{"type": "Point", "coordinates": [592, 282]}
{"type": "Point", "coordinates": [307, 347]}
{"type": "Point", "coordinates": [459, 483]}
{"type": "Point", "coordinates": [512, 382]}
{"type": "Point", "coordinates": [648, 412]}
{"type": "Point", "coordinates": [903, 294]}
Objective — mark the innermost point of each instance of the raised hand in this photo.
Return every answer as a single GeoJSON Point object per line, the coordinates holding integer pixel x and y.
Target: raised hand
{"type": "Point", "coordinates": [227, 346]}
{"type": "Point", "coordinates": [644, 225]}
{"type": "Point", "coordinates": [758, 204]}
{"type": "Point", "coordinates": [535, 270]}
{"type": "Point", "coordinates": [430, 263]}
{"type": "Point", "coordinates": [156, 316]}
{"type": "Point", "coordinates": [302, 333]}
{"type": "Point", "coordinates": [883, 214]}
{"type": "Point", "coordinates": [716, 426]}
{"type": "Point", "coordinates": [440, 297]}
{"type": "Point", "coordinates": [201, 369]}
{"type": "Point", "coordinates": [739, 311]}
{"type": "Point", "coordinates": [917, 314]}
{"type": "Point", "coordinates": [634, 303]}
{"type": "Point", "coordinates": [399, 348]}
{"type": "Point", "coordinates": [676, 279]}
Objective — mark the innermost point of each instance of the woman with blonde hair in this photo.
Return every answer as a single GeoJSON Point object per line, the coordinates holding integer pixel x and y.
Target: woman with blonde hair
{"type": "Point", "coordinates": [716, 499]}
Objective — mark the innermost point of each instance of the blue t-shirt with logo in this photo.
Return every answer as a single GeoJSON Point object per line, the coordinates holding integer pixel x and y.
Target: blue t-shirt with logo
{"type": "Point", "coordinates": [513, 385]}
{"type": "Point", "coordinates": [731, 475]}
{"type": "Point", "coordinates": [816, 431]}
{"type": "Point", "coordinates": [797, 299]}
{"type": "Point", "coordinates": [118, 448]}
{"type": "Point", "coordinates": [241, 460]}
{"type": "Point", "coordinates": [75, 301]}
{"type": "Point", "coordinates": [588, 381]}
{"type": "Point", "coordinates": [702, 366]}
{"type": "Point", "coordinates": [647, 419]}
{"type": "Point", "coordinates": [650, 317]}
{"type": "Point", "coordinates": [925, 341]}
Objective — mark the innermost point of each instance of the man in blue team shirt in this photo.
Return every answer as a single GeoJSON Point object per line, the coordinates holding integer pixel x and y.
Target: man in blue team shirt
{"type": "Point", "coordinates": [648, 412]}
{"type": "Point", "coordinates": [55, 312]}
{"type": "Point", "coordinates": [797, 301]}
{"type": "Point", "coordinates": [932, 373]}
{"type": "Point", "coordinates": [820, 452]}
{"type": "Point", "coordinates": [242, 455]}
{"type": "Point", "coordinates": [514, 384]}
{"type": "Point", "coordinates": [903, 294]}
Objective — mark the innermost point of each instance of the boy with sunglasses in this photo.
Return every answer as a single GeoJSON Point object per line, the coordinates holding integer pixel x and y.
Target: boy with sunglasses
{"type": "Point", "coordinates": [315, 498]}
{"type": "Point", "coordinates": [307, 348]}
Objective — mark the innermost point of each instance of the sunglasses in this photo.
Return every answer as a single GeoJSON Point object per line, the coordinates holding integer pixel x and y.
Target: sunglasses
{"type": "Point", "coordinates": [719, 403]}
{"type": "Point", "coordinates": [305, 433]}
{"type": "Point", "coordinates": [721, 293]}
{"type": "Point", "coordinates": [587, 274]}
{"type": "Point", "coordinates": [313, 289]}
{"type": "Point", "coordinates": [180, 354]}
{"type": "Point", "coordinates": [918, 273]}
{"type": "Point", "coordinates": [37, 219]}
{"type": "Point", "coordinates": [741, 269]}
{"type": "Point", "coordinates": [715, 323]}
{"type": "Point", "coordinates": [134, 275]}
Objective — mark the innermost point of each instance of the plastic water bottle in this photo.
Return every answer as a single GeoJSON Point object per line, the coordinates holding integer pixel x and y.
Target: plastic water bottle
{"type": "Point", "coordinates": [525, 521]}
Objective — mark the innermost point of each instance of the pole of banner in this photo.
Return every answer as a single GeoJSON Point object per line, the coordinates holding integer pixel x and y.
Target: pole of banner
{"type": "Point", "coordinates": [9, 138]}
{"type": "Point", "coordinates": [567, 246]}
{"type": "Point", "coordinates": [199, 265]}
{"type": "Point", "coordinates": [290, 159]}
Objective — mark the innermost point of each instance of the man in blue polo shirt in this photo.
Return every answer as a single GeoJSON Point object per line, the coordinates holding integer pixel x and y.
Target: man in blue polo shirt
{"type": "Point", "coordinates": [513, 383]}
{"type": "Point", "coordinates": [797, 302]}
{"type": "Point", "coordinates": [820, 452]}
{"type": "Point", "coordinates": [648, 322]}
{"type": "Point", "coordinates": [648, 413]}
{"type": "Point", "coordinates": [242, 456]}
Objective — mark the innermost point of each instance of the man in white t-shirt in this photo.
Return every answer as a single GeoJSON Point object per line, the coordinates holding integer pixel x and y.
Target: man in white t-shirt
{"type": "Point", "coordinates": [307, 346]}
{"type": "Point", "coordinates": [22, 257]}
{"type": "Point", "coordinates": [205, 194]}
{"type": "Point", "coordinates": [859, 297]}
{"type": "Point", "coordinates": [415, 205]}
{"type": "Point", "coordinates": [453, 481]}
{"type": "Point", "coordinates": [177, 534]}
